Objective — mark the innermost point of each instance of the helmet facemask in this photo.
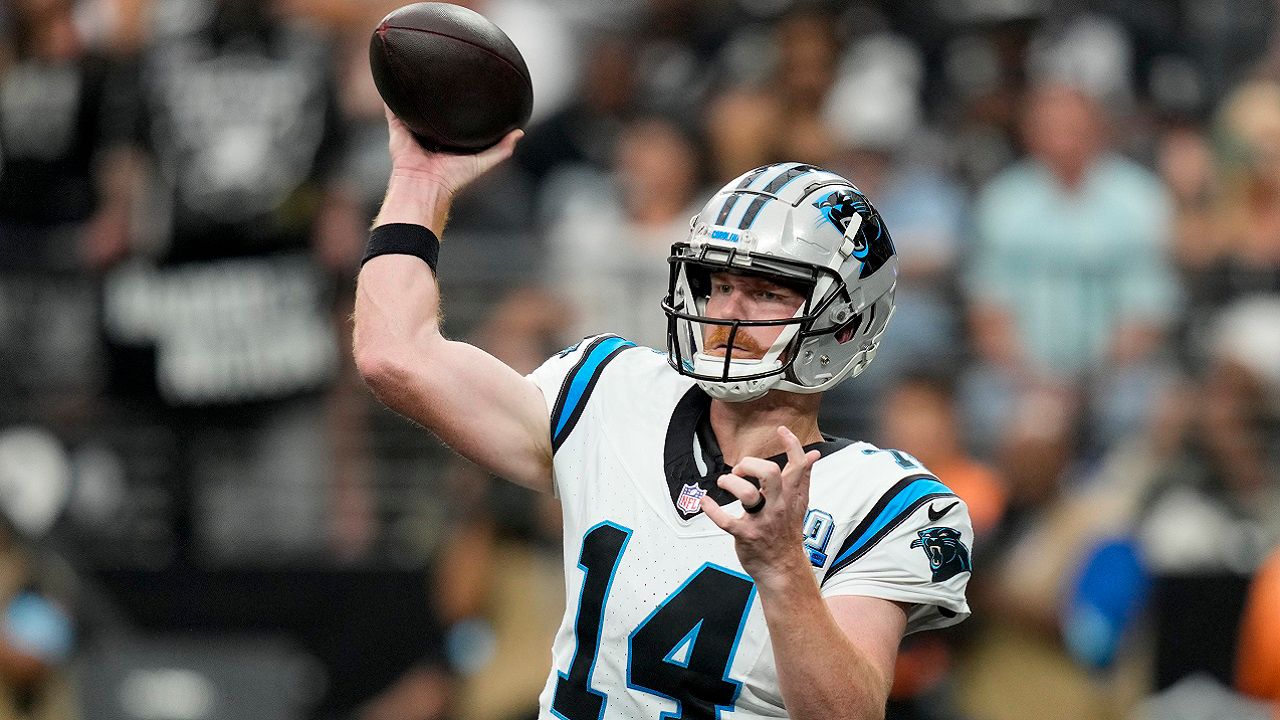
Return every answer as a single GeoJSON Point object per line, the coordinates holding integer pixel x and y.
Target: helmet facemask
{"type": "Point", "coordinates": [690, 327]}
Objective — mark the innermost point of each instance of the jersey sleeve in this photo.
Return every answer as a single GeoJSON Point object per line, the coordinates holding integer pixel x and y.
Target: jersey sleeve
{"type": "Point", "coordinates": [568, 378]}
{"type": "Point", "coordinates": [914, 547]}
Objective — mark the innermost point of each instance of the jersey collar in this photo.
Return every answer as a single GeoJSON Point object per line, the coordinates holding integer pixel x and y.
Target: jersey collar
{"type": "Point", "coordinates": [692, 455]}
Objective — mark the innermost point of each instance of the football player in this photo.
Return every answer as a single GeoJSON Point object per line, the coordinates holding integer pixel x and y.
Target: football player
{"type": "Point", "coordinates": [723, 558]}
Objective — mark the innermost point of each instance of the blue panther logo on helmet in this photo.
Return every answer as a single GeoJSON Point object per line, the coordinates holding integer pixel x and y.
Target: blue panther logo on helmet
{"type": "Point", "coordinates": [948, 556]}
{"type": "Point", "coordinates": [839, 208]}
{"type": "Point", "coordinates": [871, 242]}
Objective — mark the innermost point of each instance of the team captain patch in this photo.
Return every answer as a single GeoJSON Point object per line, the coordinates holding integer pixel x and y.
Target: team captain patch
{"type": "Point", "coordinates": [690, 497]}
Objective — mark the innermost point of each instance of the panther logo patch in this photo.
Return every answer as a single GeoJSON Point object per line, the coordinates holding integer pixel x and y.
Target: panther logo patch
{"type": "Point", "coordinates": [948, 556]}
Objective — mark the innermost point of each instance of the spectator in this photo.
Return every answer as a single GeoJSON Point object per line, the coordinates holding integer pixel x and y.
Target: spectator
{"type": "Point", "coordinates": [808, 56]}
{"type": "Point", "coordinates": [56, 124]}
{"type": "Point", "coordinates": [62, 209]}
{"type": "Point", "coordinates": [1242, 401]}
{"type": "Point", "coordinates": [776, 104]}
{"type": "Point", "coordinates": [742, 124]}
{"type": "Point", "coordinates": [1258, 659]}
{"type": "Point", "coordinates": [1018, 663]}
{"type": "Point", "coordinates": [583, 133]}
{"type": "Point", "coordinates": [1187, 163]}
{"type": "Point", "coordinates": [1247, 257]}
{"type": "Point", "coordinates": [918, 415]}
{"type": "Point", "coordinates": [226, 339]}
{"type": "Point", "coordinates": [928, 207]}
{"type": "Point", "coordinates": [36, 639]}
{"type": "Point", "coordinates": [1070, 286]}
{"type": "Point", "coordinates": [610, 246]}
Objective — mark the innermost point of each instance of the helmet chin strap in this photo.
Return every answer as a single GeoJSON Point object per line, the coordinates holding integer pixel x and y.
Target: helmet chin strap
{"type": "Point", "coordinates": [735, 390]}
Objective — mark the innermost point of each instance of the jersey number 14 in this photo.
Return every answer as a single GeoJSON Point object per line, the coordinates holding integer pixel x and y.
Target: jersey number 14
{"type": "Point", "coordinates": [682, 651]}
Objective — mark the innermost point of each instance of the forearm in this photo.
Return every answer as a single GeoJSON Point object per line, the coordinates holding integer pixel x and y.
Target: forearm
{"type": "Point", "coordinates": [397, 299]}
{"type": "Point", "coordinates": [822, 673]}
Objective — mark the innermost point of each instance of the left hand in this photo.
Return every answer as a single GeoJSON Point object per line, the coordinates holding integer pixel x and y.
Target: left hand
{"type": "Point", "coordinates": [768, 542]}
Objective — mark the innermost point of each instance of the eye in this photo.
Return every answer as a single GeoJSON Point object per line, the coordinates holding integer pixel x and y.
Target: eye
{"type": "Point", "coordinates": [775, 294]}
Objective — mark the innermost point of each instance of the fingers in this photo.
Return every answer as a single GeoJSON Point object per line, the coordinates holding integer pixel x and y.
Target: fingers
{"type": "Point", "coordinates": [798, 461]}
{"type": "Point", "coordinates": [766, 471]}
{"type": "Point", "coordinates": [511, 138]}
{"type": "Point", "coordinates": [795, 451]}
{"type": "Point", "coordinates": [394, 124]}
{"type": "Point", "coordinates": [796, 456]}
{"type": "Point", "coordinates": [503, 150]}
{"type": "Point", "coordinates": [741, 488]}
{"type": "Point", "coordinates": [484, 160]}
{"type": "Point", "coordinates": [717, 514]}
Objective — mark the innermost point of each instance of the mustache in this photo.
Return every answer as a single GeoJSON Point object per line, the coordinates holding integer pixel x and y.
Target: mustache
{"type": "Point", "coordinates": [742, 341]}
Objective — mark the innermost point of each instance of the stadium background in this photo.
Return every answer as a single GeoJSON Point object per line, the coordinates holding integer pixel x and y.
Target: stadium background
{"type": "Point", "coordinates": [206, 515]}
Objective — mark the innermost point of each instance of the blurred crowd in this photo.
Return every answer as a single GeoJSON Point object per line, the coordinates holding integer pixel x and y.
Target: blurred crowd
{"type": "Point", "coordinates": [203, 513]}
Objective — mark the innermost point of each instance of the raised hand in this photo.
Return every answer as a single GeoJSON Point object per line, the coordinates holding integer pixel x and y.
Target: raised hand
{"type": "Point", "coordinates": [768, 539]}
{"type": "Point", "coordinates": [424, 182]}
{"type": "Point", "coordinates": [410, 160]}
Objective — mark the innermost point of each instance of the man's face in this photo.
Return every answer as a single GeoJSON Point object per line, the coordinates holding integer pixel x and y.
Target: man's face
{"type": "Point", "coordinates": [747, 297]}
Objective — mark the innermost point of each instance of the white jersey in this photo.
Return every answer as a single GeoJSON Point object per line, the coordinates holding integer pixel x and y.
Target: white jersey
{"type": "Point", "coordinates": [662, 621]}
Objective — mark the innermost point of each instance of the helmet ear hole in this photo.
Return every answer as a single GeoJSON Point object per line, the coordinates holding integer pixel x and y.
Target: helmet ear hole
{"type": "Point", "coordinates": [850, 329]}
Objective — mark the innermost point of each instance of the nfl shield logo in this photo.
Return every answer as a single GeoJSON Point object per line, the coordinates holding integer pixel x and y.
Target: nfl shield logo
{"type": "Point", "coordinates": [689, 497]}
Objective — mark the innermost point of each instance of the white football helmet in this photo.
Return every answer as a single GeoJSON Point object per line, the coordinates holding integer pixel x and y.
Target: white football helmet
{"type": "Point", "coordinates": [802, 226]}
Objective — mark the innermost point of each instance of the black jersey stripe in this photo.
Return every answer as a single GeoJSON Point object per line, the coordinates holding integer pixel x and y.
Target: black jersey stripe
{"type": "Point", "coordinates": [579, 383]}
{"type": "Point", "coordinates": [895, 506]}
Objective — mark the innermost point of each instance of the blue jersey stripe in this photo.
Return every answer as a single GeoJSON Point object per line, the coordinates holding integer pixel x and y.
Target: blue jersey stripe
{"type": "Point", "coordinates": [575, 392]}
{"type": "Point", "coordinates": [892, 511]}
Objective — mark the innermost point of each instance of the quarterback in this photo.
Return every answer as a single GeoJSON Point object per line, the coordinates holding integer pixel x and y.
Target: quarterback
{"type": "Point", "coordinates": [723, 558]}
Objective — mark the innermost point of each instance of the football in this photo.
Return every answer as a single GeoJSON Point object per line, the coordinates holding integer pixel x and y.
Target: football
{"type": "Point", "coordinates": [452, 76]}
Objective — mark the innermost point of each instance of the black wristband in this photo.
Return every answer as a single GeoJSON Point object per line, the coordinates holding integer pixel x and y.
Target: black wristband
{"type": "Point", "coordinates": [403, 239]}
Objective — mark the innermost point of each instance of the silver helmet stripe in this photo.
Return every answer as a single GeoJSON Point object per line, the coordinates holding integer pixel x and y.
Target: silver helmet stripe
{"type": "Point", "coordinates": [772, 191]}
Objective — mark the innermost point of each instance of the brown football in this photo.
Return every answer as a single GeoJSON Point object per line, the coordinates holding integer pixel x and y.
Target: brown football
{"type": "Point", "coordinates": [454, 78]}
